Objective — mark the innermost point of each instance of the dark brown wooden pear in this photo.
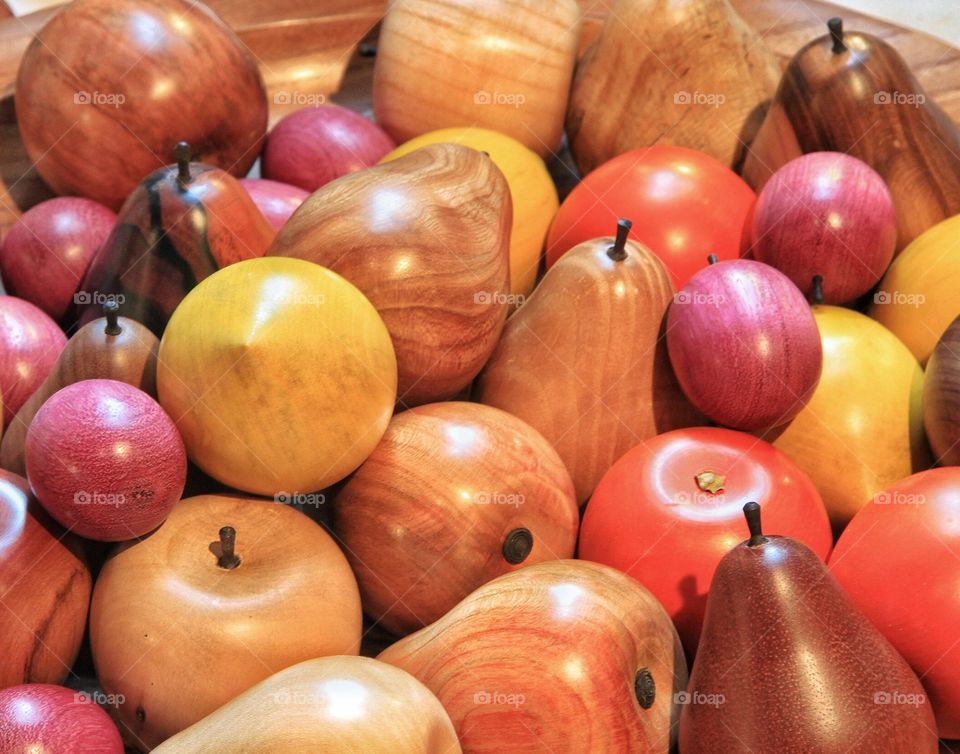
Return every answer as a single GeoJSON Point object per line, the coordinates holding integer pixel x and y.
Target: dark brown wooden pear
{"type": "Point", "coordinates": [787, 664]}
{"type": "Point", "coordinates": [852, 92]}
{"type": "Point", "coordinates": [941, 397]}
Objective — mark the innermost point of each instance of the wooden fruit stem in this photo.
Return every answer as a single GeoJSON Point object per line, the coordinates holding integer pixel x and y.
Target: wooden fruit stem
{"type": "Point", "coordinates": [181, 153]}
{"type": "Point", "coordinates": [645, 688]}
{"type": "Point", "coordinates": [751, 512]}
{"type": "Point", "coordinates": [517, 546]}
{"type": "Point", "coordinates": [712, 259]}
{"type": "Point", "coordinates": [110, 310]}
{"type": "Point", "coordinates": [835, 25]}
{"type": "Point", "coordinates": [618, 252]}
{"type": "Point", "coordinates": [816, 297]}
{"type": "Point", "coordinates": [228, 539]}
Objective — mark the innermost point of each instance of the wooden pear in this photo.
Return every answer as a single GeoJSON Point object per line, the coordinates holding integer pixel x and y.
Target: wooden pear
{"type": "Point", "coordinates": [181, 224]}
{"type": "Point", "coordinates": [565, 657]}
{"type": "Point", "coordinates": [583, 361]}
{"type": "Point", "coordinates": [426, 238]}
{"type": "Point", "coordinates": [109, 348]}
{"type": "Point", "coordinates": [941, 397]}
{"type": "Point", "coordinates": [853, 93]}
{"type": "Point", "coordinates": [335, 705]}
{"type": "Point", "coordinates": [787, 663]}
{"type": "Point", "coordinates": [690, 74]}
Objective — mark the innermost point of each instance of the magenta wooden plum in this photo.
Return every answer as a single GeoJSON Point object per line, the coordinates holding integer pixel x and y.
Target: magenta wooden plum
{"type": "Point", "coordinates": [277, 201]}
{"type": "Point", "coordinates": [826, 214]}
{"type": "Point", "coordinates": [40, 718]}
{"type": "Point", "coordinates": [744, 344]}
{"type": "Point", "coordinates": [46, 254]}
{"type": "Point", "coordinates": [105, 460]}
{"type": "Point", "coordinates": [30, 343]}
{"type": "Point", "coordinates": [313, 146]}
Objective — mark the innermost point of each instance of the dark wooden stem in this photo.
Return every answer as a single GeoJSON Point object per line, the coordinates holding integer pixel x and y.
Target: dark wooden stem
{"type": "Point", "coordinates": [835, 25]}
{"type": "Point", "coordinates": [618, 252]}
{"type": "Point", "coordinates": [816, 297]}
{"type": "Point", "coordinates": [110, 310]}
{"type": "Point", "coordinates": [517, 546]}
{"type": "Point", "coordinates": [712, 259]}
{"type": "Point", "coordinates": [228, 539]}
{"type": "Point", "coordinates": [181, 153]}
{"type": "Point", "coordinates": [751, 512]}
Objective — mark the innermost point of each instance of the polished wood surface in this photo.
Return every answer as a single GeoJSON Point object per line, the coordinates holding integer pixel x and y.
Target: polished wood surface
{"type": "Point", "coordinates": [426, 239]}
{"type": "Point", "coordinates": [96, 351]}
{"type": "Point", "coordinates": [280, 375]}
{"type": "Point", "coordinates": [678, 72]}
{"type": "Point", "coordinates": [454, 495]}
{"type": "Point", "coordinates": [178, 635]}
{"type": "Point", "coordinates": [583, 361]}
{"type": "Point", "coordinates": [941, 397]}
{"type": "Point", "coordinates": [564, 657]}
{"type": "Point", "coordinates": [337, 705]}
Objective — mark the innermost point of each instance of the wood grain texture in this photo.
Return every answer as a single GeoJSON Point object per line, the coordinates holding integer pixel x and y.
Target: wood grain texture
{"type": "Point", "coordinates": [583, 361]}
{"type": "Point", "coordinates": [178, 636]}
{"type": "Point", "coordinates": [547, 659]}
{"type": "Point", "coordinates": [690, 74]}
{"type": "Point", "coordinates": [337, 705]}
{"type": "Point", "coordinates": [45, 588]}
{"type": "Point", "coordinates": [92, 353]}
{"type": "Point", "coordinates": [426, 239]}
{"type": "Point", "coordinates": [499, 64]}
{"type": "Point", "coordinates": [941, 397]}
{"type": "Point", "coordinates": [427, 517]}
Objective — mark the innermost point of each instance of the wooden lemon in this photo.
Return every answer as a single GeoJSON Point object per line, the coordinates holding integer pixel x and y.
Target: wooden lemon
{"type": "Point", "coordinates": [533, 192]}
{"type": "Point", "coordinates": [280, 375]}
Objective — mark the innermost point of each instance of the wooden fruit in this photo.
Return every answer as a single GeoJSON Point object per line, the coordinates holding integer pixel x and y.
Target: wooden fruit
{"type": "Point", "coordinates": [454, 495]}
{"type": "Point", "coordinates": [45, 588]}
{"type": "Point", "coordinates": [182, 623]}
{"type": "Point", "coordinates": [917, 299]}
{"type": "Point", "coordinates": [777, 624]}
{"type": "Point", "coordinates": [706, 79]}
{"type": "Point", "coordinates": [853, 93]}
{"type": "Point", "coordinates": [105, 460]}
{"type": "Point", "coordinates": [337, 705]}
{"type": "Point", "coordinates": [426, 239]}
{"type": "Point", "coordinates": [165, 70]}
{"type": "Point", "coordinates": [37, 717]}
{"type": "Point", "coordinates": [566, 657]}
{"type": "Point", "coordinates": [280, 376]}
{"type": "Point", "coordinates": [857, 434]}
{"type": "Point", "coordinates": [181, 224]}
{"type": "Point", "coordinates": [109, 348]}
{"type": "Point", "coordinates": [499, 64]}
{"type": "Point", "coordinates": [532, 190]}
{"type": "Point", "coordinates": [941, 397]}
{"type": "Point", "coordinates": [583, 361]}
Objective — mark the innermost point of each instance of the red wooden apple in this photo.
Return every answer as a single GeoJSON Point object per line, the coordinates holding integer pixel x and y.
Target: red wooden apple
{"type": "Point", "coordinates": [671, 508]}
{"type": "Point", "coordinates": [105, 460]}
{"type": "Point", "coordinates": [826, 214]}
{"type": "Point", "coordinates": [277, 201]}
{"type": "Point", "coordinates": [46, 254]}
{"type": "Point", "coordinates": [30, 343]}
{"type": "Point", "coordinates": [744, 344]}
{"type": "Point", "coordinates": [313, 146]}
{"type": "Point", "coordinates": [37, 718]}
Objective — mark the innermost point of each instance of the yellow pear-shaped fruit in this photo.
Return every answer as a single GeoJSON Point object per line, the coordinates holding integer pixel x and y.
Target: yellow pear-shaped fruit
{"type": "Point", "coordinates": [863, 428]}
{"type": "Point", "coordinates": [334, 705]}
{"type": "Point", "coordinates": [919, 296]}
{"type": "Point", "coordinates": [280, 375]}
{"type": "Point", "coordinates": [532, 189]}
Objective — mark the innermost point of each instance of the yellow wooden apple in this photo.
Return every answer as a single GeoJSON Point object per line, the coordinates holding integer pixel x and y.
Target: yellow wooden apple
{"type": "Point", "coordinates": [919, 296]}
{"type": "Point", "coordinates": [863, 428]}
{"type": "Point", "coordinates": [532, 189]}
{"type": "Point", "coordinates": [280, 375]}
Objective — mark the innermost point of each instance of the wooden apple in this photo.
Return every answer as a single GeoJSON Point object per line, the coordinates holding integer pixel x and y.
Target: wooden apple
{"type": "Point", "coordinates": [941, 397]}
{"type": "Point", "coordinates": [532, 190]}
{"type": "Point", "coordinates": [105, 460]}
{"type": "Point", "coordinates": [30, 342]}
{"type": "Point", "coordinates": [109, 348]}
{"type": "Point", "coordinates": [454, 495]}
{"type": "Point", "coordinates": [463, 68]}
{"type": "Point", "coordinates": [95, 126]}
{"type": "Point", "coordinates": [40, 717]}
{"type": "Point", "coordinates": [280, 375]}
{"type": "Point", "coordinates": [338, 705]}
{"type": "Point", "coordinates": [314, 145]}
{"type": "Point", "coordinates": [45, 587]}
{"type": "Point", "coordinates": [425, 238]}
{"type": "Point", "coordinates": [277, 201]}
{"type": "Point", "coordinates": [564, 656]}
{"type": "Point", "coordinates": [917, 298]}
{"type": "Point", "coordinates": [857, 434]}
{"type": "Point", "coordinates": [46, 254]}
{"type": "Point", "coordinates": [228, 591]}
